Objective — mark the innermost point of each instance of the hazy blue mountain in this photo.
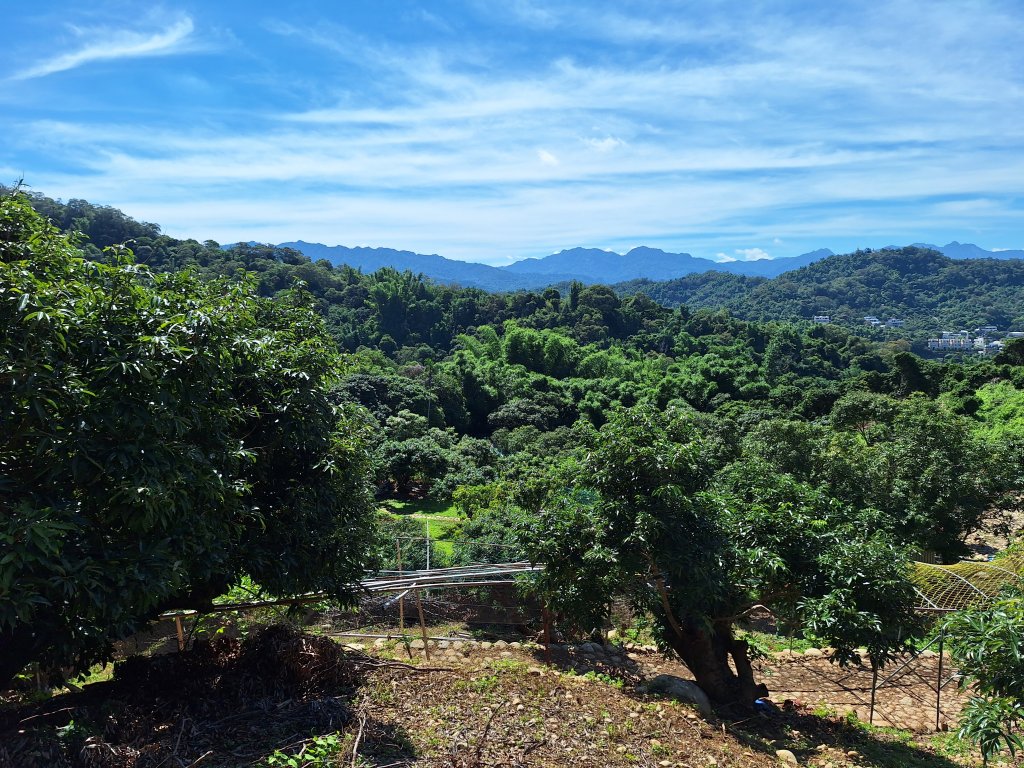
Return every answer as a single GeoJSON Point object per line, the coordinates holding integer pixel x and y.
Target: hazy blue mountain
{"type": "Point", "coordinates": [597, 266]}
{"type": "Point", "coordinates": [957, 250]}
{"type": "Point", "coordinates": [590, 265]}
{"type": "Point", "coordinates": [774, 267]}
{"type": "Point", "coordinates": [593, 265]}
{"type": "Point", "coordinates": [433, 266]}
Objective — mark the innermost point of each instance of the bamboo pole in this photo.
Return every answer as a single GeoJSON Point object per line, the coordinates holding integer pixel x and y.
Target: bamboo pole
{"type": "Point", "coordinates": [401, 598]}
{"type": "Point", "coordinates": [938, 687]}
{"type": "Point", "coordinates": [423, 626]}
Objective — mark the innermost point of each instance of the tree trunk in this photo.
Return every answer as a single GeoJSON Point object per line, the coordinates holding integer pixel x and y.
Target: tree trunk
{"type": "Point", "coordinates": [706, 651]}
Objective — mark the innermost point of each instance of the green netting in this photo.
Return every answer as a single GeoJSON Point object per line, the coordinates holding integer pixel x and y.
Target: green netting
{"type": "Point", "coordinates": [967, 583]}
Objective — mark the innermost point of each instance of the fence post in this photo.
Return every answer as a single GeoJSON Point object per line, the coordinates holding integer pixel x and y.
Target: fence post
{"type": "Point", "coordinates": [874, 686]}
{"type": "Point", "coordinates": [423, 626]}
{"type": "Point", "coordinates": [938, 684]}
{"type": "Point", "coordinates": [401, 597]}
{"type": "Point", "coordinates": [547, 635]}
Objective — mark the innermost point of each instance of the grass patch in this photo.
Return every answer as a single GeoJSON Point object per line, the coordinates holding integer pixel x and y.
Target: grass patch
{"type": "Point", "coordinates": [422, 508]}
{"type": "Point", "coordinates": [768, 643]}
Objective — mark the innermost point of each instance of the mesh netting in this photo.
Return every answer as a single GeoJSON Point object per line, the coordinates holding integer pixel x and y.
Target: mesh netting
{"type": "Point", "coordinates": [967, 583]}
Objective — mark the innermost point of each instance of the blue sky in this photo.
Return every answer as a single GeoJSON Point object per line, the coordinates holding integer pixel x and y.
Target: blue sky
{"type": "Point", "coordinates": [492, 131]}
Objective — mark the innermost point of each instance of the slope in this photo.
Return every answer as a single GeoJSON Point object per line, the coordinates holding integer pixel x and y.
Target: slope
{"type": "Point", "coordinates": [927, 289]}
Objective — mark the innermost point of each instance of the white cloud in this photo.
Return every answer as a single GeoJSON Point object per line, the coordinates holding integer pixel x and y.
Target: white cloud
{"type": "Point", "coordinates": [607, 144]}
{"type": "Point", "coordinates": [435, 148]}
{"type": "Point", "coordinates": [546, 157]}
{"type": "Point", "coordinates": [122, 44]}
{"type": "Point", "coordinates": [723, 257]}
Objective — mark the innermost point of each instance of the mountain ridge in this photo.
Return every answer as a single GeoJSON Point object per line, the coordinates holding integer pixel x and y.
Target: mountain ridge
{"type": "Point", "coordinates": [926, 289]}
{"type": "Point", "coordinates": [591, 265]}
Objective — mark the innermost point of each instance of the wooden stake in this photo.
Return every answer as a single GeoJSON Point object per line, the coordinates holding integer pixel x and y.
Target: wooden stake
{"type": "Point", "coordinates": [181, 633]}
{"type": "Point", "coordinates": [547, 635]}
{"type": "Point", "coordinates": [423, 626]}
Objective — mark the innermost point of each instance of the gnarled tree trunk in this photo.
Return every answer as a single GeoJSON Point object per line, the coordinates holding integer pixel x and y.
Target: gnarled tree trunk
{"type": "Point", "coordinates": [706, 650]}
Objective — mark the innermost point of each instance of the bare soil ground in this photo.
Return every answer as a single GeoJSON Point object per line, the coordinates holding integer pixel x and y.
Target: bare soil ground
{"type": "Point", "coordinates": [468, 706]}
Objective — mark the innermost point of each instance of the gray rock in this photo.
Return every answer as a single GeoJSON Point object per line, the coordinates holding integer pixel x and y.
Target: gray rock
{"type": "Point", "coordinates": [786, 757]}
{"type": "Point", "coordinates": [682, 690]}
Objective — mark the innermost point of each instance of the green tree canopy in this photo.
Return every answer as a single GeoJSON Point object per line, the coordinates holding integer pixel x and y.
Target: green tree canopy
{"type": "Point", "coordinates": [161, 436]}
{"type": "Point", "coordinates": [642, 517]}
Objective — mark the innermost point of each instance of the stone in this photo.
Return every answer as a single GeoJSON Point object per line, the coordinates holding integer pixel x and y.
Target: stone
{"type": "Point", "coordinates": [380, 642]}
{"type": "Point", "coordinates": [786, 757]}
{"type": "Point", "coordinates": [682, 690]}
{"type": "Point", "coordinates": [501, 644]}
{"type": "Point", "coordinates": [813, 652]}
{"type": "Point", "coordinates": [417, 644]}
{"type": "Point", "coordinates": [515, 645]}
{"type": "Point", "coordinates": [444, 645]}
{"type": "Point", "coordinates": [486, 645]}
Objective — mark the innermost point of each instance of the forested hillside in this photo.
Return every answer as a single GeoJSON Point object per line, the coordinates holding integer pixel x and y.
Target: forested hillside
{"type": "Point", "coordinates": [930, 291]}
{"type": "Point", "coordinates": [620, 442]}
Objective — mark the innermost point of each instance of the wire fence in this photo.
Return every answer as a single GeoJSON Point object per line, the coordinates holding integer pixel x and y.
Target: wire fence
{"type": "Point", "coordinates": [484, 601]}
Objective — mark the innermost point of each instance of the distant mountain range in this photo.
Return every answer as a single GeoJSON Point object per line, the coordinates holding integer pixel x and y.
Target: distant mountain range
{"type": "Point", "coordinates": [587, 265]}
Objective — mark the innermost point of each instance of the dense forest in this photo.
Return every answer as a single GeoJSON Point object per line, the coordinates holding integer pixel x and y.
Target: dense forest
{"type": "Point", "coordinates": [931, 292]}
{"type": "Point", "coordinates": [623, 442]}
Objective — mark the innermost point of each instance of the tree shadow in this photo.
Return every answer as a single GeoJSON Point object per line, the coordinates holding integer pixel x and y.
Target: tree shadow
{"type": "Point", "coordinates": [808, 735]}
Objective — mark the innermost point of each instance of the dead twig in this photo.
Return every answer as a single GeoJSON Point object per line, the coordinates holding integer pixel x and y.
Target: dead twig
{"type": "Point", "coordinates": [410, 667]}
{"type": "Point", "coordinates": [200, 759]}
{"type": "Point", "coordinates": [483, 738]}
{"type": "Point", "coordinates": [177, 743]}
{"type": "Point", "coordinates": [359, 737]}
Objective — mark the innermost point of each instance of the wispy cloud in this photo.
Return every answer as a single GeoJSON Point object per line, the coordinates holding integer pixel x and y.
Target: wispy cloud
{"type": "Point", "coordinates": [117, 44]}
{"type": "Point", "coordinates": [810, 129]}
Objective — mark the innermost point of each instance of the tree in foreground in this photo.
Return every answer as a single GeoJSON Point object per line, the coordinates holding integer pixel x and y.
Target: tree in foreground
{"type": "Point", "coordinates": [988, 644]}
{"type": "Point", "coordinates": [161, 436]}
{"type": "Point", "coordinates": [640, 518]}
